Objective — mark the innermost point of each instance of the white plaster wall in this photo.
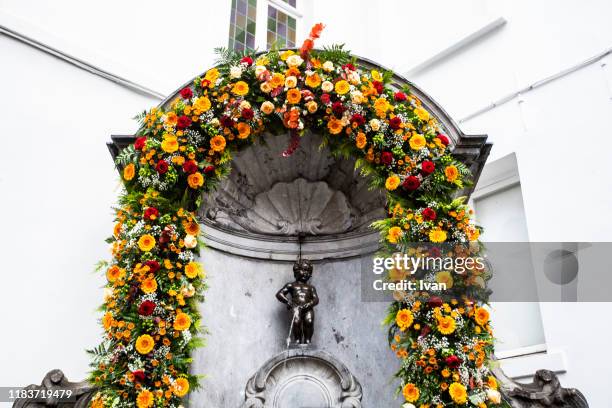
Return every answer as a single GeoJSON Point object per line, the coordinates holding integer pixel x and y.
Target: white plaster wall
{"type": "Point", "coordinates": [560, 134]}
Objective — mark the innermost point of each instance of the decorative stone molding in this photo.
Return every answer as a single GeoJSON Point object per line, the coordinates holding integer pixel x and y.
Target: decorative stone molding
{"type": "Point", "coordinates": [303, 377]}
{"type": "Point", "coordinates": [544, 392]}
{"type": "Point", "coordinates": [82, 392]}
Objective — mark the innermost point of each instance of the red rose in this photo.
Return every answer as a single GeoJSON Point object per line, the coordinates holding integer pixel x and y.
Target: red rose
{"type": "Point", "coordinates": [139, 143]}
{"type": "Point", "coordinates": [247, 60]}
{"type": "Point", "coordinates": [161, 167]}
{"type": "Point", "coordinates": [378, 86]}
{"type": "Point", "coordinates": [190, 166]}
{"type": "Point", "coordinates": [183, 122]}
{"type": "Point", "coordinates": [411, 183]}
{"type": "Point", "coordinates": [386, 158]}
{"type": "Point", "coordinates": [358, 119]}
{"type": "Point", "coordinates": [400, 96]}
{"type": "Point", "coordinates": [429, 214]}
{"type": "Point", "coordinates": [325, 98]}
{"type": "Point", "coordinates": [443, 139]}
{"type": "Point", "coordinates": [186, 93]}
{"type": "Point", "coordinates": [338, 109]}
{"type": "Point", "coordinates": [153, 265]}
{"type": "Point", "coordinates": [453, 361]}
{"type": "Point", "coordinates": [139, 375]}
{"type": "Point", "coordinates": [349, 67]}
{"type": "Point", "coordinates": [209, 169]}
{"type": "Point", "coordinates": [427, 167]}
{"type": "Point", "coordinates": [435, 301]}
{"type": "Point", "coordinates": [226, 121]}
{"type": "Point", "coordinates": [151, 213]}
{"type": "Point", "coordinates": [146, 308]}
{"type": "Point", "coordinates": [247, 113]}
{"type": "Point", "coordinates": [395, 123]}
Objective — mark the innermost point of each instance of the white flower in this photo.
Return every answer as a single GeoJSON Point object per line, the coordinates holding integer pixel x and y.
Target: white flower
{"type": "Point", "coordinates": [327, 86]}
{"type": "Point", "coordinates": [294, 60]}
{"type": "Point", "coordinates": [354, 77]}
{"type": "Point", "coordinates": [260, 69]}
{"type": "Point", "coordinates": [375, 124]}
{"type": "Point", "coordinates": [328, 66]}
{"type": "Point", "coordinates": [408, 405]}
{"type": "Point", "coordinates": [494, 396]}
{"type": "Point", "coordinates": [291, 81]}
{"type": "Point", "coordinates": [245, 105]}
{"type": "Point", "coordinates": [356, 97]}
{"type": "Point", "coordinates": [190, 241]}
{"type": "Point", "coordinates": [235, 72]}
{"type": "Point", "coordinates": [108, 293]}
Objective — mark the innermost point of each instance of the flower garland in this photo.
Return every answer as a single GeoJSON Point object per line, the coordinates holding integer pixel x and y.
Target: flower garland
{"type": "Point", "coordinates": [150, 315]}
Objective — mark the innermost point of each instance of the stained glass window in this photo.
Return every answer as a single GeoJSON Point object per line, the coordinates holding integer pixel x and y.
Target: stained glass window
{"type": "Point", "coordinates": [242, 25]}
{"type": "Point", "coordinates": [281, 28]}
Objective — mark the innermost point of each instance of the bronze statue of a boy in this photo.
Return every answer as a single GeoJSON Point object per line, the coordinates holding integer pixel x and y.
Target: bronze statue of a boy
{"type": "Point", "coordinates": [301, 298]}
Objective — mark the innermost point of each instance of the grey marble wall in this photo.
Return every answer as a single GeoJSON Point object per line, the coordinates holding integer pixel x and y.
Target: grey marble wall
{"type": "Point", "coordinates": [248, 326]}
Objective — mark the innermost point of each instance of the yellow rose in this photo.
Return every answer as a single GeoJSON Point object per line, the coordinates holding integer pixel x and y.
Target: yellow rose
{"type": "Point", "coordinates": [392, 182]}
{"type": "Point", "coordinates": [417, 142]}
{"type": "Point", "coordinates": [334, 126]}
{"type": "Point", "coordinates": [437, 235]}
{"type": "Point", "coordinates": [181, 387]}
{"type": "Point", "coordinates": [114, 273]}
{"type": "Point", "coordinates": [148, 285]}
{"type": "Point", "coordinates": [129, 171]}
{"type": "Point", "coordinates": [144, 344]}
{"type": "Point", "coordinates": [107, 320]}
{"type": "Point", "coordinates": [458, 393]}
{"type": "Point", "coordinates": [192, 269]}
{"type": "Point", "coordinates": [410, 392]}
{"type": "Point", "coordinates": [170, 144]}
{"type": "Point", "coordinates": [286, 54]}
{"type": "Point", "coordinates": [312, 106]}
{"type": "Point", "coordinates": [277, 80]}
{"type": "Point", "coordinates": [313, 80]}
{"type": "Point", "coordinates": [342, 87]}
{"type": "Point", "coordinates": [376, 76]}
{"type": "Point", "coordinates": [446, 278]}
{"type": "Point", "coordinates": [451, 173]}
{"type": "Point", "coordinates": [146, 242]}
{"type": "Point", "coordinates": [421, 113]}
{"type": "Point", "coordinates": [202, 104]}
{"type": "Point", "coordinates": [240, 88]}
{"type": "Point", "coordinates": [145, 399]}
{"type": "Point", "coordinates": [361, 140]}
{"type": "Point", "coordinates": [395, 233]}
{"type": "Point", "coordinates": [195, 180]}
{"type": "Point", "coordinates": [267, 107]}
{"type": "Point", "coordinates": [182, 321]}
{"type": "Point", "coordinates": [217, 143]}
{"type": "Point", "coordinates": [212, 75]}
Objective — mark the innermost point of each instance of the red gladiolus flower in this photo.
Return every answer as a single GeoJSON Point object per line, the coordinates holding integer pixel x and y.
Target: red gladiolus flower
{"type": "Point", "coordinates": [307, 46]}
{"type": "Point", "coordinates": [348, 66]}
{"type": "Point", "coordinates": [386, 158]}
{"type": "Point", "coordinates": [378, 86]}
{"type": "Point", "coordinates": [153, 265]}
{"type": "Point", "coordinates": [183, 122]}
{"type": "Point", "coordinates": [146, 308]}
{"type": "Point", "coordinates": [315, 31]}
{"type": "Point", "coordinates": [395, 123]}
{"type": "Point", "coordinates": [429, 214]}
{"type": "Point", "coordinates": [226, 121]}
{"type": "Point", "coordinates": [358, 119]}
{"type": "Point", "coordinates": [435, 301]}
{"type": "Point", "coordinates": [139, 375]}
{"type": "Point", "coordinates": [443, 139]}
{"type": "Point", "coordinates": [338, 109]}
{"type": "Point", "coordinates": [400, 96]}
{"type": "Point", "coordinates": [427, 167]}
{"type": "Point", "coordinates": [247, 113]}
{"type": "Point", "coordinates": [186, 93]}
{"type": "Point", "coordinates": [453, 361]}
{"type": "Point", "coordinates": [190, 167]}
{"type": "Point", "coordinates": [151, 213]}
{"type": "Point", "coordinates": [161, 167]}
{"type": "Point", "coordinates": [205, 83]}
{"type": "Point", "coordinates": [411, 183]}
{"type": "Point", "coordinates": [325, 98]}
{"type": "Point", "coordinates": [139, 143]}
{"type": "Point", "coordinates": [209, 169]}
{"type": "Point", "coordinates": [247, 60]}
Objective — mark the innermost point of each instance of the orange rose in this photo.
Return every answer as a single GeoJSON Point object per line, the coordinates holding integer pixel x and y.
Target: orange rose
{"type": "Point", "coordinates": [129, 171]}
{"type": "Point", "coordinates": [294, 96]}
{"type": "Point", "coordinates": [195, 180]}
{"type": "Point", "coordinates": [217, 143]}
{"type": "Point", "coordinates": [182, 321]}
{"type": "Point", "coordinates": [334, 126]}
{"type": "Point", "coordinates": [244, 130]}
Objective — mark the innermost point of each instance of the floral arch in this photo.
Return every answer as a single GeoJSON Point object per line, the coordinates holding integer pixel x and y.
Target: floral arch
{"type": "Point", "coordinates": [400, 138]}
